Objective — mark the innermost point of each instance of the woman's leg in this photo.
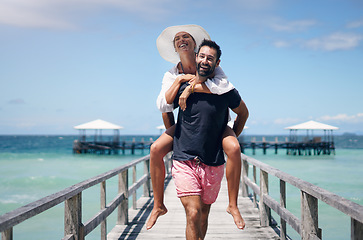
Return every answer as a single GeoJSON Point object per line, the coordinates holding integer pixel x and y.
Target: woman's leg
{"type": "Point", "coordinates": [233, 173]}
{"type": "Point", "coordinates": [158, 150]}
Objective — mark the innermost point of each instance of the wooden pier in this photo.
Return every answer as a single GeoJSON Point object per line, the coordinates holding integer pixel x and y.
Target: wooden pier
{"type": "Point", "coordinates": [112, 147]}
{"type": "Point", "coordinates": [172, 224]}
{"type": "Point", "coordinates": [255, 205]}
{"type": "Point", "coordinates": [292, 148]}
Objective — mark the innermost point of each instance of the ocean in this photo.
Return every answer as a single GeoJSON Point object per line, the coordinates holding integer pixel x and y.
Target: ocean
{"type": "Point", "coordinates": [32, 167]}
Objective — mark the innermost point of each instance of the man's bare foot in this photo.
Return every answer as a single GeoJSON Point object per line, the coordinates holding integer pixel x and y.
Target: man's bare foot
{"type": "Point", "coordinates": [155, 213]}
{"type": "Point", "coordinates": [238, 220]}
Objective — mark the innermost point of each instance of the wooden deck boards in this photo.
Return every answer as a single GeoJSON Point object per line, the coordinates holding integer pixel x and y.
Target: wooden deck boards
{"type": "Point", "coordinates": [172, 225]}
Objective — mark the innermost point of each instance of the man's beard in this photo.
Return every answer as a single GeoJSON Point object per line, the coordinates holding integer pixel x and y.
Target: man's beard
{"type": "Point", "coordinates": [206, 72]}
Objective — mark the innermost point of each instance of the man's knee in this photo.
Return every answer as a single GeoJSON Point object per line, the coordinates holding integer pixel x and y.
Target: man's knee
{"type": "Point", "coordinates": [194, 214]}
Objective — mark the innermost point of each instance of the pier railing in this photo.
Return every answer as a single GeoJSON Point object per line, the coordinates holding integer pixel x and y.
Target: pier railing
{"type": "Point", "coordinates": [307, 225]}
{"type": "Point", "coordinates": [74, 228]}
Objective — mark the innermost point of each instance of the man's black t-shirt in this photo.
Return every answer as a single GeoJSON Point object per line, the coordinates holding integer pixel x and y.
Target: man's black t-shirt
{"type": "Point", "coordinates": [200, 127]}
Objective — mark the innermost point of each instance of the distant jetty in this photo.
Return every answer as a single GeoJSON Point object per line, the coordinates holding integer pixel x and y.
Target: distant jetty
{"type": "Point", "coordinates": [307, 145]}
{"type": "Point", "coordinates": [98, 146]}
{"type": "Point", "coordinates": [314, 146]}
{"type": "Point", "coordinates": [295, 145]}
{"type": "Point", "coordinates": [112, 147]}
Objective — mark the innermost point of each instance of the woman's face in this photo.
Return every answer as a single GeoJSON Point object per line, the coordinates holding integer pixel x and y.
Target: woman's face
{"type": "Point", "coordinates": [184, 42]}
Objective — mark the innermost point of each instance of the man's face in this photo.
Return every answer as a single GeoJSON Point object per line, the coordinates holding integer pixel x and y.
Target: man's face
{"type": "Point", "coordinates": [206, 61]}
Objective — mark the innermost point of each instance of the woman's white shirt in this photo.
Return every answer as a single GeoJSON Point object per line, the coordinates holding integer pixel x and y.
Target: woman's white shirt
{"type": "Point", "coordinates": [217, 85]}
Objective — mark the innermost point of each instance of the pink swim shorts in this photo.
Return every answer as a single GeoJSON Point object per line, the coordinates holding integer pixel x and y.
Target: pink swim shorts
{"type": "Point", "coordinates": [193, 177]}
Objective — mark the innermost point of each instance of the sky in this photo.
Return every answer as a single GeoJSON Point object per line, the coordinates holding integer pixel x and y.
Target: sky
{"type": "Point", "coordinates": [67, 62]}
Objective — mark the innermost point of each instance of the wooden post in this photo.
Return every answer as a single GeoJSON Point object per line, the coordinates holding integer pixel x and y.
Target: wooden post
{"type": "Point", "coordinates": [283, 204]}
{"type": "Point", "coordinates": [168, 163]}
{"type": "Point", "coordinates": [309, 216]}
{"type": "Point", "coordinates": [265, 211]}
{"type": "Point", "coordinates": [356, 230]}
{"type": "Point", "coordinates": [7, 234]}
{"type": "Point", "coordinates": [73, 217]}
{"type": "Point", "coordinates": [255, 181]}
{"type": "Point", "coordinates": [242, 147]}
{"type": "Point", "coordinates": [244, 174]}
{"type": "Point", "coordinates": [134, 198]}
{"type": "Point", "coordinates": [103, 206]}
{"type": "Point", "coordinates": [147, 183]}
{"type": "Point", "coordinates": [133, 148]}
{"type": "Point", "coordinates": [123, 186]}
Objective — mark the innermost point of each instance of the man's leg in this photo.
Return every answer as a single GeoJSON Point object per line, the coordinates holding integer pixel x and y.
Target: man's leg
{"type": "Point", "coordinates": [158, 150]}
{"type": "Point", "coordinates": [233, 173]}
{"type": "Point", "coordinates": [204, 219]}
{"type": "Point", "coordinates": [194, 213]}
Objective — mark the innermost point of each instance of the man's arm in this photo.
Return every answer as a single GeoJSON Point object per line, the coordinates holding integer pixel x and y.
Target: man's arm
{"type": "Point", "coordinates": [242, 115]}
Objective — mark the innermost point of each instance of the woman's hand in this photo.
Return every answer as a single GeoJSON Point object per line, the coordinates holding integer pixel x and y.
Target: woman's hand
{"type": "Point", "coordinates": [184, 96]}
{"type": "Point", "coordinates": [185, 78]}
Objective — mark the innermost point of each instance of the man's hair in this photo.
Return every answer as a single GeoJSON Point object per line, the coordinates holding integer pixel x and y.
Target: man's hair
{"type": "Point", "coordinates": [211, 44]}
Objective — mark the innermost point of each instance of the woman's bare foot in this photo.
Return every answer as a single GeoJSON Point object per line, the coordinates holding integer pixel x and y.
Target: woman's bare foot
{"type": "Point", "coordinates": [155, 213]}
{"type": "Point", "coordinates": [238, 220]}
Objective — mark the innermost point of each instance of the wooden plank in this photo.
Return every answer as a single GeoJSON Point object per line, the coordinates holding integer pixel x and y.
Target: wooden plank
{"type": "Point", "coordinates": [172, 225]}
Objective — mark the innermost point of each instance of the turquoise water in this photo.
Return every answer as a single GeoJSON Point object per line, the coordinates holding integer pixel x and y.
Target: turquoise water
{"type": "Point", "coordinates": [32, 167]}
{"type": "Point", "coordinates": [340, 174]}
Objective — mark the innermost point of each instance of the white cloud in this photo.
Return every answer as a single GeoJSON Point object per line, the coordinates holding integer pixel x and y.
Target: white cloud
{"type": "Point", "coordinates": [293, 26]}
{"type": "Point", "coordinates": [255, 5]}
{"type": "Point", "coordinates": [355, 24]}
{"type": "Point", "coordinates": [62, 14]}
{"type": "Point", "coordinates": [281, 44]}
{"type": "Point", "coordinates": [23, 17]}
{"type": "Point", "coordinates": [357, 118]}
{"type": "Point", "coordinates": [335, 41]}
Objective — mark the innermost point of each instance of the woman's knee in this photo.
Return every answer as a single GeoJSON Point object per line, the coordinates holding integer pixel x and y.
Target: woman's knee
{"type": "Point", "coordinates": [154, 148]}
{"type": "Point", "coordinates": [232, 147]}
{"type": "Point", "coordinates": [161, 147]}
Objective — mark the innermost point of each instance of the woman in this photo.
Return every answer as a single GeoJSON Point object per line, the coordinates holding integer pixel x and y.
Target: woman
{"type": "Point", "coordinates": [177, 44]}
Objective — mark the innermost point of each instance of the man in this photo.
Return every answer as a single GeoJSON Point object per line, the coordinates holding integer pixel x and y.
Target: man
{"type": "Point", "coordinates": [178, 45]}
{"type": "Point", "coordinates": [198, 158]}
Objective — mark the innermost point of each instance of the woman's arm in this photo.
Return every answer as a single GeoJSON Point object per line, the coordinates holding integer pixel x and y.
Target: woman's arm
{"type": "Point", "coordinates": [219, 84]}
{"type": "Point", "coordinates": [201, 87]}
{"type": "Point", "coordinates": [168, 80]}
{"type": "Point", "coordinates": [170, 94]}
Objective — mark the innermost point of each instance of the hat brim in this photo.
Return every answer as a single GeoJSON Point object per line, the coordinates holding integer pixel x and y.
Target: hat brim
{"type": "Point", "coordinates": [165, 41]}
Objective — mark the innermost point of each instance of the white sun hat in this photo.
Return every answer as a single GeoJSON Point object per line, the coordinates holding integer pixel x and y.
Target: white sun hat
{"type": "Point", "coordinates": [165, 41]}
